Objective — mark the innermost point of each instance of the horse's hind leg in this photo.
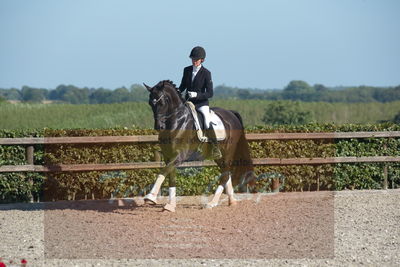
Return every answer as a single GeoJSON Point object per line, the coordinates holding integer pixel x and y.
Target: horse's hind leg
{"type": "Point", "coordinates": [214, 202]}
{"type": "Point", "coordinates": [226, 182]}
{"type": "Point", "coordinates": [229, 192]}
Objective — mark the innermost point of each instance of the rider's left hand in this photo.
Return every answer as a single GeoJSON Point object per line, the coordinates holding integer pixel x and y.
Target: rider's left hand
{"type": "Point", "coordinates": [192, 94]}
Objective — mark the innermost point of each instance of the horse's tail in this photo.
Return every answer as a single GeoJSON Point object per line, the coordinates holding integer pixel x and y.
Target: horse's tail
{"type": "Point", "coordinates": [243, 170]}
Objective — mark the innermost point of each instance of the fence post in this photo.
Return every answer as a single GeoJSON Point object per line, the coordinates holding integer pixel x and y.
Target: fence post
{"type": "Point", "coordinates": [30, 161]}
{"type": "Point", "coordinates": [275, 185]}
{"type": "Point", "coordinates": [157, 156]}
{"type": "Point", "coordinates": [385, 177]}
{"type": "Point", "coordinates": [29, 154]}
{"type": "Point", "coordinates": [385, 170]}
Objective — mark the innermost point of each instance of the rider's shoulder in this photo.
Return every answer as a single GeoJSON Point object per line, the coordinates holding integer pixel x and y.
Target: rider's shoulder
{"type": "Point", "coordinates": [206, 70]}
{"type": "Point", "coordinates": [190, 68]}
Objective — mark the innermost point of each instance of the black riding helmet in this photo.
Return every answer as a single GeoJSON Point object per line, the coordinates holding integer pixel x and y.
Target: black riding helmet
{"type": "Point", "coordinates": [198, 52]}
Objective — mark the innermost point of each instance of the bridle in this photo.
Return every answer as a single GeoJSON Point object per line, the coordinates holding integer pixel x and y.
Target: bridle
{"type": "Point", "coordinates": [163, 117]}
{"type": "Point", "coordinates": [155, 101]}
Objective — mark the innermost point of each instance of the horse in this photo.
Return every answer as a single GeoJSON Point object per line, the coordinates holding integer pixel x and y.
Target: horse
{"type": "Point", "coordinates": [179, 142]}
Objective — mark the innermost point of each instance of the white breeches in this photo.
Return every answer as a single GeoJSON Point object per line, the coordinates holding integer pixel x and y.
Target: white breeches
{"type": "Point", "coordinates": [205, 110]}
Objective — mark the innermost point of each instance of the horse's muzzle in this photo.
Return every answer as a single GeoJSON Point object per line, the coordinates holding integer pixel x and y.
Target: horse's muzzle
{"type": "Point", "coordinates": [159, 125]}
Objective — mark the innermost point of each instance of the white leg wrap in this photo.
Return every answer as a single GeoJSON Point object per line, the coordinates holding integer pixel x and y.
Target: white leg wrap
{"type": "Point", "coordinates": [229, 187]}
{"type": "Point", "coordinates": [214, 202]}
{"type": "Point", "coordinates": [219, 190]}
{"type": "Point", "coordinates": [172, 200]}
{"type": "Point", "coordinates": [157, 184]}
{"type": "Point", "coordinates": [172, 195]}
{"type": "Point", "coordinates": [229, 191]}
{"type": "Point", "coordinates": [152, 196]}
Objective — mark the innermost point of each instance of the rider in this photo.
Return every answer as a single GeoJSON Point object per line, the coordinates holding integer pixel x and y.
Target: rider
{"type": "Point", "coordinates": [197, 80]}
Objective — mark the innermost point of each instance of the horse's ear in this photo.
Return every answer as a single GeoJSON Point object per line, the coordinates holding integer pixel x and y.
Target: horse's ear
{"type": "Point", "coordinates": [147, 87]}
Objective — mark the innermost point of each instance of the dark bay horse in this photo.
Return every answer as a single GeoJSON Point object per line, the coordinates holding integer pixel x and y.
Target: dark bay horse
{"type": "Point", "coordinates": [178, 140]}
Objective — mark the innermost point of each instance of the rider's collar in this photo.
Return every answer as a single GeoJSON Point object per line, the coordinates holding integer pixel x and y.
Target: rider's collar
{"type": "Point", "coordinates": [197, 68]}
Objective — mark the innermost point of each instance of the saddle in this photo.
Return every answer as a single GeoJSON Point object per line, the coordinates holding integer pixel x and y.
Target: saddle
{"type": "Point", "coordinates": [200, 126]}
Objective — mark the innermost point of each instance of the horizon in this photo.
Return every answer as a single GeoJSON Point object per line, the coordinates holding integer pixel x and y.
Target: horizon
{"type": "Point", "coordinates": [338, 87]}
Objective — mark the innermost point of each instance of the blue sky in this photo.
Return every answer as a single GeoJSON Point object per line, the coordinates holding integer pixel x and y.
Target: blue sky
{"type": "Point", "coordinates": [250, 44]}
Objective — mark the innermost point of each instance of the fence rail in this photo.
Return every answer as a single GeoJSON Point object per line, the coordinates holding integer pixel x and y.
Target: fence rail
{"type": "Point", "coordinates": [29, 142]}
{"type": "Point", "coordinates": [206, 163]}
{"type": "Point", "coordinates": [154, 138]}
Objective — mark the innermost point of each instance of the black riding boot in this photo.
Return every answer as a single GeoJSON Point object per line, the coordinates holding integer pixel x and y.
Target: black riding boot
{"type": "Point", "coordinates": [212, 138]}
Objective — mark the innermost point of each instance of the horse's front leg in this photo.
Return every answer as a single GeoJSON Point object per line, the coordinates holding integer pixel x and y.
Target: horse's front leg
{"type": "Point", "coordinates": [169, 169]}
{"type": "Point", "coordinates": [151, 198]}
{"type": "Point", "coordinates": [171, 205]}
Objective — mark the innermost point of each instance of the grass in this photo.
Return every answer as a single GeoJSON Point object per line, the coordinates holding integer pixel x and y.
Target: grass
{"type": "Point", "coordinates": [139, 114]}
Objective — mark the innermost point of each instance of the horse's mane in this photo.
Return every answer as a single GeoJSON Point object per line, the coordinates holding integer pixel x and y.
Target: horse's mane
{"type": "Point", "coordinates": [164, 82]}
{"type": "Point", "coordinates": [170, 83]}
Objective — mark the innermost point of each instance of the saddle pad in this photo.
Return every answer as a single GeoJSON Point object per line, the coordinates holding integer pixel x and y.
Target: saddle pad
{"type": "Point", "coordinates": [218, 125]}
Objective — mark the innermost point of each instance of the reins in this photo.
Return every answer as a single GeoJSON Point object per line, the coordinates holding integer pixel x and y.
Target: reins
{"type": "Point", "coordinates": [165, 117]}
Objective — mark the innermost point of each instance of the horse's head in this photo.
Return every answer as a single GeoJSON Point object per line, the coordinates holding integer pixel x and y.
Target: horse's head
{"type": "Point", "coordinates": [164, 100]}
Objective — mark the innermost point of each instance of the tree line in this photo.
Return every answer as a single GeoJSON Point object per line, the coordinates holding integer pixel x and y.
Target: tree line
{"type": "Point", "coordinates": [296, 90]}
{"type": "Point", "coordinates": [75, 95]}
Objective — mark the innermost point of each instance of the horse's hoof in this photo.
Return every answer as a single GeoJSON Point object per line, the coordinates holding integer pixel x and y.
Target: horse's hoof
{"type": "Point", "coordinates": [150, 199]}
{"type": "Point", "coordinates": [169, 207]}
{"type": "Point", "coordinates": [210, 205]}
{"type": "Point", "coordinates": [232, 202]}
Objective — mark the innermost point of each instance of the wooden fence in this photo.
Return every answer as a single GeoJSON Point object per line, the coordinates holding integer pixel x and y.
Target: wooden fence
{"type": "Point", "coordinates": [30, 142]}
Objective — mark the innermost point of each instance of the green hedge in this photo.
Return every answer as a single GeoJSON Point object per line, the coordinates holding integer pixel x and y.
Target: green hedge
{"type": "Point", "coordinates": [195, 181]}
{"type": "Point", "coordinates": [16, 187]}
{"type": "Point", "coordinates": [336, 176]}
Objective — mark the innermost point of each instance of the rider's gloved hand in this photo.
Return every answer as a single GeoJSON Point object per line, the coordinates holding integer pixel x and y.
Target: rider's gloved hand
{"type": "Point", "coordinates": [192, 94]}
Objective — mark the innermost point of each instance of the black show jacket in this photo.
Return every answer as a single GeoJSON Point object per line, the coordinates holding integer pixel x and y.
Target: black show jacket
{"type": "Point", "coordinates": [202, 85]}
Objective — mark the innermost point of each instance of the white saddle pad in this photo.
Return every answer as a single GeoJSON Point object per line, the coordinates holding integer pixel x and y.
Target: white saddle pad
{"type": "Point", "coordinates": [216, 121]}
